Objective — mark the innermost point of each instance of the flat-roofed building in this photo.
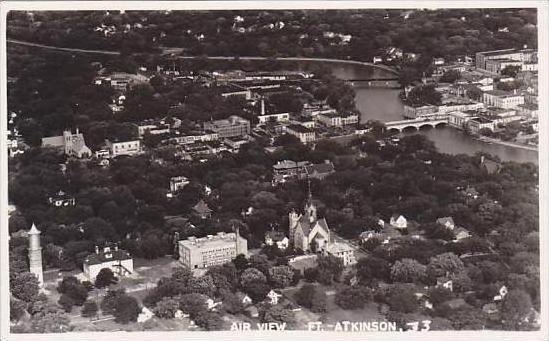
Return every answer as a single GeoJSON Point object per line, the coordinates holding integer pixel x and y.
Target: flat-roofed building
{"type": "Point", "coordinates": [458, 119]}
{"type": "Point", "coordinates": [119, 261]}
{"type": "Point", "coordinates": [525, 55]}
{"type": "Point", "coordinates": [502, 99]}
{"type": "Point", "coordinates": [118, 148]}
{"type": "Point", "coordinates": [200, 253]}
{"type": "Point", "coordinates": [305, 135]}
{"type": "Point", "coordinates": [232, 126]}
{"type": "Point", "coordinates": [478, 123]}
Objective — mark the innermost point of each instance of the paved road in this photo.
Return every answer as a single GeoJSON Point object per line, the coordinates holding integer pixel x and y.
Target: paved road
{"type": "Point", "coordinates": [25, 43]}
{"type": "Point", "coordinates": [170, 50]}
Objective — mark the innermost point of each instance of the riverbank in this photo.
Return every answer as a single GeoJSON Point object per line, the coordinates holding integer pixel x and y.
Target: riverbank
{"type": "Point", "coordinates": [507, 143]}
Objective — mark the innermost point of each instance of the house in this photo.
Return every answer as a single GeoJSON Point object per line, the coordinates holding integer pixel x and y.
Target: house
{"type": "Point", "coordinates": [61, 199]}
{"type": "Point", "coordinates": [245, 299]}
{"type": "Point", "coordinates": [211, 304]}
{"type": "Point", "coordinates": [119, 261]}
{"type": "Point", "coordinates": [501, 293]}
{"type": "Point", "coordinates": [273, 297]}
{"type": "Point", "coordinates": [145, 315]}
{"type": "Point", "coordinates": [178, 182]}
{"type": "Point", "coordinates": [447, 222]}
{"type": "Point", "coordinates": [202, 210]}
{"type": "Point", "coordinates": [277, 238]}
{"type": "Point", "coordinates": [319, 171]}
{"type": "Point", "coordinates": [398, 221]}
{"type": "Point", "coordinates": [343, 251]}
{"type": "Point", "coordinates": [445, 283]}
{"type": "Point", "coordinates": [461, 233]}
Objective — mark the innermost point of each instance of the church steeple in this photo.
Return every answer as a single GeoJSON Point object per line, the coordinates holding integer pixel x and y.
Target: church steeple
{"type": "Point", "coordinates": [310, 208]}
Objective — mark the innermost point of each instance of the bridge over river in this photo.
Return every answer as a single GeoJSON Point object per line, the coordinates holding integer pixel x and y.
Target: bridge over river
{"type": "Point", "coordinates": [416, 123]}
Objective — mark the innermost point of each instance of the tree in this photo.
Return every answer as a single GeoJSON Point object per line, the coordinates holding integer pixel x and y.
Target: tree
{"type": "Point", "coordinates": [127, 309]}
{"type": "Point", "coordinates": [444, 264]}
{"type": "Point", "coordinates": [370, 268]}
{"type": "Point", "coordinates": [252, 275]}
{"type": "Point", "coordinates": [89, 309]}
{"type": "Point", "coordinates": [439, 294]}
{"type": "Point", "coordinates": [257, 291]}
{"type": "Point", "coordinates": [193, 304]}
{"type": "Point", "coordinates": [17, 309]}
{"type": "Point", "coordinates": [281, 276]}
{"type": "Point", "coordinates": [450, 76]}
{"type": "Point", "coordinates": [104, 278]}
{"type": "Point", "coordinates": [166, 308]}
{"type": "Point", "coordinates": [402, 298]}
{"type": "Point", "coordinates": [310, 274]}
{"type": "Point", "coordinates": [423, 95]}
{"type": "Point", "coordinates": [516, 305]}
{"type": "Point", "coordinates": [275, 313]}
{"type": "Point", "coordinates": [72, 288]}
{"type": "Point", "coordinates": [66, 302]}
{"type": "Point", "coordinates": [209, 320]}
{"type": "Point", "coordinates": [110, 301]}
{"type": "Point", "coordinates": [232, 303]}
{"type": "Point", "coordinates": [353, 297]}
{"type": "Point", "coordinates": [24, 286]}
{"type": "Point", "coordinates": [202, 285]}
{"type": "Point", "coordinates": [240, 262]}
{"type": "Point", "coordinates": [474, 93]}
{"type": "Point", "coordinates": [51, 321]}
{"type": "Point", "coordinates": [311, 297]}
{"type": "Point", "coordinates": [329, 268]}
{"type": "Point", "coordinates": [408, 270]}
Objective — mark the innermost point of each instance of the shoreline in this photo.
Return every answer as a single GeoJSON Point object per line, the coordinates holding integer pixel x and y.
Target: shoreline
{"type": "Point", "coordinates": [506, 143]}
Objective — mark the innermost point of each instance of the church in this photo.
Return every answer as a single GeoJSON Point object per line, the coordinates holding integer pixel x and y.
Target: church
{"type": "Point", "coordinates": [312, 235]}
{"type": "Point", "coordinates": [307, 232]}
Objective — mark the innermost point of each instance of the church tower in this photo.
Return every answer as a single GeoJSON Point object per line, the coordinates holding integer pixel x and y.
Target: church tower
{"type": "Point", "coordinates": [310, 208]}
{"type": "Point", "coordinates": [293, 217]}
{"type": "Point", "coordinates": [35, 254]}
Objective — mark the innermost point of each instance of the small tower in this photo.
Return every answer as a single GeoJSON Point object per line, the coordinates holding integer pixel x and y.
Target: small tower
{"type": "Point", "coordinates": [35, 254]}
{"type": "Point", "coordinates": [293, 217]}
{"type": "Point", "coordinates": [310, 208]}
{"type": "Point", "coordinates": [67, 136]}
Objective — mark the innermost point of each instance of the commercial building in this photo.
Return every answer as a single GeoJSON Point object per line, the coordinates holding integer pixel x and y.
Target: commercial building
{"type": "Point", "coordinates": [478, 123]}
{"type": "Point", "coordinates": [123, 148]}
{"type": "Point", "coordinates": [525, 55]}
{"type": "Point", "coordinates": [502, 99]}
{"type": "Point", "coordinates": [119, 261]}
{"type": "Point", "coordinates": [305, 135]}
{"type": "Point", "coordinates": [337, 120]}
{"type": "Point", "coordinates": [232, 126]}
{"type": "Point", "coordinates": [200, 253]}
{"type": "Point", "coordinates": [418, 112]}
{"type": "Point", "coordinates": [458, 119]}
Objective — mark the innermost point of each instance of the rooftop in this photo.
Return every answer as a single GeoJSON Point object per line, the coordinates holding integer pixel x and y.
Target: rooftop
{"type": "Point", "coordinates": [109, 256]}
{"type": "Point", "coordinates": [210, 241]}
{"type": "Point", "coordinates": [299, 128]}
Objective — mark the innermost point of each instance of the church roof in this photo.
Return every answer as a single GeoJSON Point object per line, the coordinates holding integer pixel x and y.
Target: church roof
{"type": "Point", "coordinates": [307, 226]}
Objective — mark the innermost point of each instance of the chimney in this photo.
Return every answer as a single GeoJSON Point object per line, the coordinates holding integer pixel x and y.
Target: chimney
{"type": "Point", "coordinates": [262, 106]}
{"type": "Point", "coordinates": [482, 159]}
{"type": "Point", "coordinates": [96, 249]}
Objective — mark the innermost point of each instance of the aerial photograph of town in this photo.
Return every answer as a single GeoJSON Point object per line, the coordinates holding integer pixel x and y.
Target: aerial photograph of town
{"type": "Point", "coordinates": [354, 170]}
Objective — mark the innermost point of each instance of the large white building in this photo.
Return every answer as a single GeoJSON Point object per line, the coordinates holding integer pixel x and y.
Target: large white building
{"type": "Point", "coordinates": [502, 99]}
{"type": "Point", "coordinates": [119, 261]}
{"type": "Point", "coordinates": [305, 135]}
{"type": "Point", "coordinates": [131, 147]}
{"type": "Point", "coordinates": [199, 253]}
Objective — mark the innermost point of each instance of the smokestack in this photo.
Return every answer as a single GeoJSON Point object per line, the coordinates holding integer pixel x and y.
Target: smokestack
{"type": "Point", "coordinates": [262, 106]}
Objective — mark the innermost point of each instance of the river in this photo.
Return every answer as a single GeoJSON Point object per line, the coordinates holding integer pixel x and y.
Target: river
{"type": "Point", "coordinates": [384, 105]}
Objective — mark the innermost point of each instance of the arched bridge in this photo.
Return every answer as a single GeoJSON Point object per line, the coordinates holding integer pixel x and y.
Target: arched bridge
{"type": "Point", "coordinates": [417, 123]}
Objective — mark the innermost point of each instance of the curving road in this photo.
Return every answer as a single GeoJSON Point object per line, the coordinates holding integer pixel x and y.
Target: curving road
{"type": "Point", "coordinates": [174, 50]}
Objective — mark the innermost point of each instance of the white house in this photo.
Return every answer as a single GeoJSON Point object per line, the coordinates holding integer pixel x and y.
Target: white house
{"type": "Point", "coordinates": [461, 233]}
{"type": "Point", "coordinates": [502, 292]}
{"type": "Point", "coordinates": [447, 222]}
{"type": "Point", "coordinates": [178, 182]}
{"type": "Point", "coordinates": [398, 221]}
{"type": "Point", "coordinates": [276, 238]}
{"type": "Point", "coordinates": [145, 315]}
{"type": "Point", "coordinates": [273, 297]}
{"type": "Point", "coordinates": [119, 261]}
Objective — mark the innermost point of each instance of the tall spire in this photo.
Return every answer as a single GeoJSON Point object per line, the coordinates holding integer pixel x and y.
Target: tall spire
{"type": "Point", "coordinates": [310, 197]}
